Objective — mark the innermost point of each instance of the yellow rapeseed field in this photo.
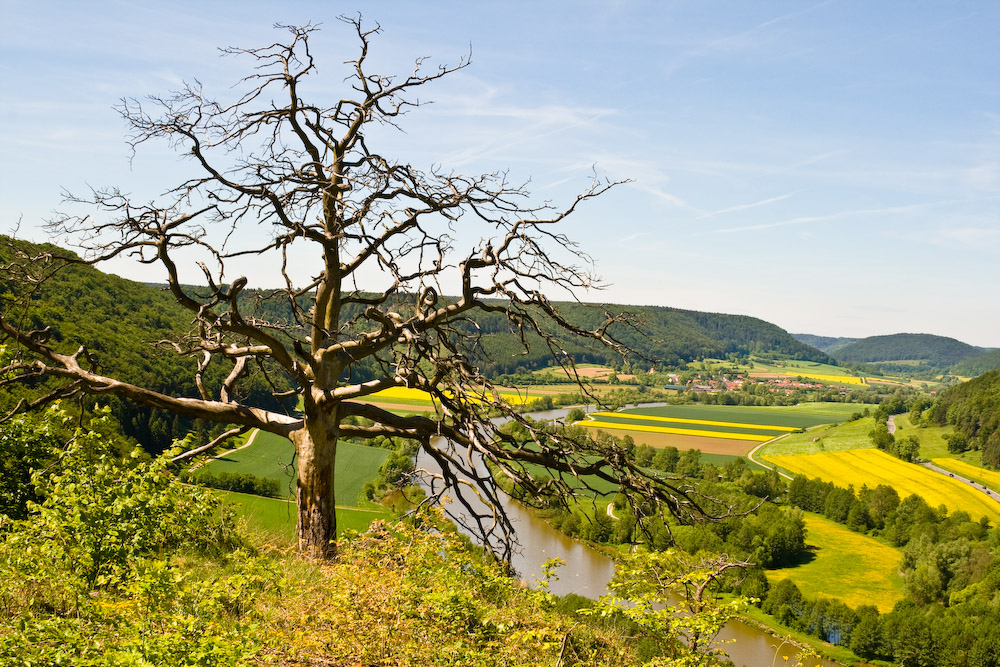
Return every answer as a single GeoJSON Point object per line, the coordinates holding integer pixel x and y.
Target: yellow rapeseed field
{"type": "Point", "coordinates": [964, 469]}
{"type": "Point", "coordinates": [872, 467]}
{"type": "Point", "coordinates": [704, 422]}
{"type": "Point", "coordinates": [844, 379]}
{"type": "Point", "coordinates": [408, 394]}
{"type": "Point", "coordinates": [850, 566]}
{"type": "Point", "coordinates": [594, 423]}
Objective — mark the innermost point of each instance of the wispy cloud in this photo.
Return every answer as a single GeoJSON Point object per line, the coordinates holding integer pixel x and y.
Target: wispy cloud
{"type": "Point", "coordinates": [739, 41]}
{"type": "Point", "coordinates": [807, 219]}
{"type": "Point", "coordinates": [745, 207]}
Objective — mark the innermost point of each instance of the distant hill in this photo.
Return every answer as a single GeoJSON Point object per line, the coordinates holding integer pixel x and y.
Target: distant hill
{"type": "Point", "coordinates": [665, 336]}
{"type": "Point", "coordinates": [117, 320]}
{"type": "Point", "coordinates": [917, 350]}
{"type": "Point", "coordinates": [977, 365]}
{"type": "Point", "coordinates": [827, 344]}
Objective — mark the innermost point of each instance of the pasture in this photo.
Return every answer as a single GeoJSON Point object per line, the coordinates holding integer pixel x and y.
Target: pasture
{"type": "Point", "coordinates": [831, 438]}
{"type": "Point", "coordinates": [932, 442]}
{"type": "Point", "coordinates": [275, 518]}
{"type": "Point", "coordinates": [852, 567]}
{"type": "Point", "coordinates": [872, 467]}
{"type": "Point", "coordinates": [270, 456]}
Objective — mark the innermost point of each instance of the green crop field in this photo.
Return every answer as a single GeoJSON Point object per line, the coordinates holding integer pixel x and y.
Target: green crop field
{"type": "Point", "coordinates": [835, 438]}
{"type": "Point", "coordinates": [850, 566]}
{"type": "Point", "coordinates": [872, 467]}
{"type": "Point", "coordinates": [803, 415]}
{"type": "Point", "coordinates": [276, 518]}
{"type": "Point", "coordinates": [271, 456]}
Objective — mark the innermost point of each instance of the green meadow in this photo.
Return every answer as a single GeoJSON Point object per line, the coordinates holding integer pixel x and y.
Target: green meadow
{"type": "Point", "coordinates": [847, 565]}
{"type": "Point", "coordinates": [271, 456]}
{"type": "Point", "coordinates": [833, 438]}
{"type": "Point", "coordinates": [275, 518]}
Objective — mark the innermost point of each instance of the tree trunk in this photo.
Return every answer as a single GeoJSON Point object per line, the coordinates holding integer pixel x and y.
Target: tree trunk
{"type": "Point", "coordinates": [316, 450]}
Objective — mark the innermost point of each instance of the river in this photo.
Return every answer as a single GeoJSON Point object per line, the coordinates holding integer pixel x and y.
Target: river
{"type": "Point", "coordinates": [587, 572]}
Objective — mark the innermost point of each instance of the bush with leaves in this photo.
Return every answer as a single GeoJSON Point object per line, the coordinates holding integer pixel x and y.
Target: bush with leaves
{"type": "Point", "coordinates": [94, 574]}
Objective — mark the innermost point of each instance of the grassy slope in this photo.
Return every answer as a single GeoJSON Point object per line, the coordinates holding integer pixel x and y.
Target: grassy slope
{"type": "Point", "coordinates": [275, 518]}
{"type": "Point", "coordinates": [850, 566]}
{"type": "Point", "coordinates": [932, 442]}
{"type": "Point", "coordinates": [271, 456]}
{"type": "Point", "coordinates": [852, 435]}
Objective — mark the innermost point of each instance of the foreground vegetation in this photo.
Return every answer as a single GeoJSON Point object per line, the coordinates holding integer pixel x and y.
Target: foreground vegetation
{"type": "Point", "coordinates": [114, 561]}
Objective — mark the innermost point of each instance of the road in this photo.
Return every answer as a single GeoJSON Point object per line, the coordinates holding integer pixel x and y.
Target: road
{"type": "Point", "coordinates": [891, 424]}
{"type": "Point", "coordinates": [958, 478]}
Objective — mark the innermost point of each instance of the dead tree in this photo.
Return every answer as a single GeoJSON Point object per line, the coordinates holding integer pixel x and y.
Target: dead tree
{"type": "Point", "coordinates": [272, 160]}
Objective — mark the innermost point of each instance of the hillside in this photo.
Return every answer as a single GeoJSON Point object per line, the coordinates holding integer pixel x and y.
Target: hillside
{"type": "Point", "coordinates": [977, 365]}
{"type": "Point", "coordinates": [662, 336]}
{"type": "Point", "coordinates": [827, 344]}
{"type": "Point", "coordinates": [119, 320]}
{"type": "Point", "coordinates": [919, 349]}
{"type": "Point", "coordinates": [973, 408]}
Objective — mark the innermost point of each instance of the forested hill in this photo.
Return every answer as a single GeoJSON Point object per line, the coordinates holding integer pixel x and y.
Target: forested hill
{"type": "Point", "coordinates": [973, 407]}
{"type": "Point", "coordinates": [935, 351]}
{"type": "Point", "coordinates": [118, 321]}
{"type": "Point", "coordinates": [977, 365]}
{"type": "Point", "coordinates": [662, 336]}
{"type": "Point", "coordinates": [828, 344]}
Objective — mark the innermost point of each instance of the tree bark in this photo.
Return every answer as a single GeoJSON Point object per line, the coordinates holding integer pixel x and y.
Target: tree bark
{"type": "Point", "coordinates": [316, 454]}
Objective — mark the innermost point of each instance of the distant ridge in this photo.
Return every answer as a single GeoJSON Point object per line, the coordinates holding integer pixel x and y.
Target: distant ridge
{"type": "Point", "coordinates": [925, 349]}
{"type": "Point", "coordinates": [977, 365]}
{"type": "Point", "coordinates": [827, 344]}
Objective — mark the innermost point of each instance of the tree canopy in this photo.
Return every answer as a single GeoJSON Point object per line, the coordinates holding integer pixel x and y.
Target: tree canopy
{"type": "Point", "coordinates": [381, 239]}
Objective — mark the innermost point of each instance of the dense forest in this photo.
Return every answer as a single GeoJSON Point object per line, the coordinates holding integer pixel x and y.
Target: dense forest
{"type": "Point", "coordinates": [120, 322]}
{"type": "Point", "coordinates": [977, 365]}
{"type": "Point", "coordinates": [938, 351]}
{"type": "Point", "coordinates": [973, 408]}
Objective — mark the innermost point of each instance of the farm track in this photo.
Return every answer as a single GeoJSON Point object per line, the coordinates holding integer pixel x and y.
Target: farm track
{"type": "Point", "coordinates": [253, 436]}
{"type": "Point", "coordinates": [752, 452]}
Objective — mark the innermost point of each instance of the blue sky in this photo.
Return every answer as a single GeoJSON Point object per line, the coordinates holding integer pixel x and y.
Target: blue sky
{"type": "Point", "coordinates": [831, 167]}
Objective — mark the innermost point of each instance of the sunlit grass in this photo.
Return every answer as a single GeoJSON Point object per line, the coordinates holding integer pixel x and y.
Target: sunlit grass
{"type": "Point", "coordinates": [852, 567]}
